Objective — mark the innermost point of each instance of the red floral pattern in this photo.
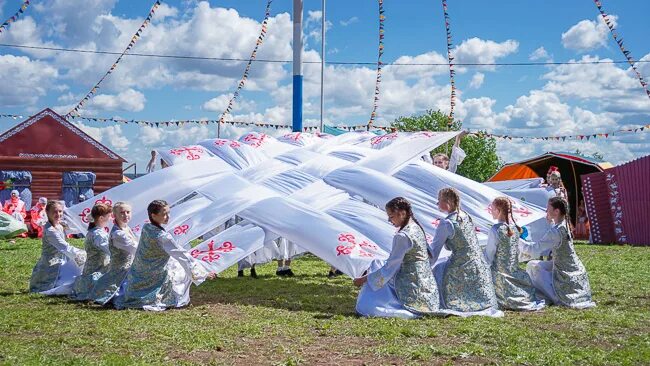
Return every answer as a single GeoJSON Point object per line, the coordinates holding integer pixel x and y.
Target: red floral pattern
{"type": "Point", "coordinates": [181, 229]}
{"type": "Point", "coordinates": [212, 254]}
{"type": "Point", "coordinates": [379, 139]}
{"type": "Point", "coordinates": [348, 249]}
{"type": "Point", "coordinates": [191, 153]}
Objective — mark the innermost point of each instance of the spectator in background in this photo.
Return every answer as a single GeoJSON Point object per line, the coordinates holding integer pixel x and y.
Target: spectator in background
{"type": "Point", "coordinates": [555, 186]}
{"type": "Point", "coordinates": [38, 217]}
{"type": "Point", "coordinates": [443, 161]}
{"type": "Point", "coordinates": [15, 206]}
{"type": "Point", "coordinates": [151, 166]}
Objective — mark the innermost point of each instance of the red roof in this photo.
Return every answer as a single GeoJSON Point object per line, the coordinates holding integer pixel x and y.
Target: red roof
{"type": "Point", "coordinates": [48, 135]}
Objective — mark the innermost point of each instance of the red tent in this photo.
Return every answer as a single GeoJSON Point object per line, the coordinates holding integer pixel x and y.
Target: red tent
{"type": "Point", "coordinates": [618, 203]}
{"type": "Point", "coordinates": [47, 145]}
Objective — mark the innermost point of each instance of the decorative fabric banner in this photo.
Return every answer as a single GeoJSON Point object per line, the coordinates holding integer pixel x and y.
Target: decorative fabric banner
{"type": "Point", "coordinates": [450, 59]}
{"type": "Point", "coordinates": [375, 102]}
{"type": "Point", "coordinates": [14, 17]}
{"type": "Point", "coordinates": [244, 77]}
{"type": "Point", "coordinates": [136, 36]}
{"type": "Point", "coordinates": [619, 41]}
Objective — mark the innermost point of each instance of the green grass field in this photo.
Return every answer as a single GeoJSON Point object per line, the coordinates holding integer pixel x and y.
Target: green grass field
{"type": "Point", "coordinates": [310, 319]}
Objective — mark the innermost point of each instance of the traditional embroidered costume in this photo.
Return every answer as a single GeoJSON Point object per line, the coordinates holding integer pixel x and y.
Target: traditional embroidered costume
{"type": "Point", "coordinates": [404, 286]}
{"type": "Point", "coordinates": [59, 265]}
{"type": "Point", "coordinates": [15, 207]}
{"type": "Point", "coordinates": [161, 273]}
{"type": "Point", "coordinates": [512, 285]}
{"type": "Point", "coordinates": [562, 279]}
{"type": "Point", "coordinates": [466, 284]}
{"type": "Point", "coordinates": [98, 259]}
{"type": "Point", "coordinates": [122, 245]}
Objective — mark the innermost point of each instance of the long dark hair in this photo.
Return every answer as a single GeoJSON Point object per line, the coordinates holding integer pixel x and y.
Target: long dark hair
{"type": "Point", "coordinates": [154, 208]}
{"type": "Point", "coordinates": [505, 205]}
{"type": "Point", "coordinates": [401, 204]}
{"type": "Point", "coordinates": [99, 209]}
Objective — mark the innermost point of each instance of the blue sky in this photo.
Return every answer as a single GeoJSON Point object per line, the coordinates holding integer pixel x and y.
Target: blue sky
{"type": "Point", "coordinates": [523, 100]}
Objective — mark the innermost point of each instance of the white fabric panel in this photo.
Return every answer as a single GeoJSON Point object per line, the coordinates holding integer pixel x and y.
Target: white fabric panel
{"type": "Point", "coordinates": [516, 184]}
{"type": "Point", "coordinates": [379, 188]}
{"type": "Point", "coordinates": [184, 154]}
{"type": "Point", "coordinates": [475, 197]}
{"type": "Point", "coordinates": [299, 138]}
{"type": "Point", "coordinates": [226, 248]}
{"type": "Point", "coordinates": [289, 181]}
{"type": "Point", "coordinates": [235, 153]}
{"type": "Point", "coordinates": [320, 195]}
{"type": "Point", "coordinates": [170, 184]}
{"type": "Point", "coordinates": [391, 158]}
{"type": "Point", "coordinates": [265, 170]}
{"type": "Point", "coordinates": [265, 143]}
{"type": "Point", "coordinates": [297, 157]}
{"type": "Point", "coordinates": [229, 195]}
{"type": "Point", "coordinates": [368, 220]}
{"type": "Point", "coordinates": [319, 233]}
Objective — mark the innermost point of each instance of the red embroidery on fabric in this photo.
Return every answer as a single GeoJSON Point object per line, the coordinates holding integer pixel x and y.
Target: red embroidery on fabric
{"type": "Point", "coordinates": [429, 238]}
{"type": "Point", "coordinates": [223, 142]}
{"type": "Point", "coordinates": [521, 211]}
{"type": "Point", "coordinates": [104, 201]}
{"type": "Point", "coordinates": [181, 229]}
{"type": "Point", "coordinates": [295, 136]}
{"type": "Point", "coordinates": [348, 249]}
{"type": "Point", "coordinates": [254, 140]}
{"type": "Point", "coordinates": [211, 254]}
{"type": "Point", "coordinates": [379, 139]}
{"type": "Point", "coordinates": [192, 153]}
{"type": "Point", "coordinates": [84, 215]}
{"type": "Point", "coordinates": [435, 222]}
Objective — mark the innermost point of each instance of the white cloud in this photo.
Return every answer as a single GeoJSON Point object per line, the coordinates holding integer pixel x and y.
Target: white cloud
{"type": "Point", "coordinates": [539, 54]}
{"type": "Point", "coordinates": [349, 21]}
{"type": "Point", "coordinates": [477, 80]}
{"type": "Point", "coordinates": [111, 136]}
{"type": "Point", "coordinates": [476, 50]}
{"type": "Point", "coordinates": [220, 103]}
{"type": "Point", "coordinates": [24, 80]}
{"type": "Point", "coordinates": [588, 34]}
{"type": "Point", "coordinates": [128, 100]}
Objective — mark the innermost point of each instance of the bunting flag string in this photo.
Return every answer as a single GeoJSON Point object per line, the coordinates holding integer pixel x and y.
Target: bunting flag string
{"type": "Point", "coordinates": [242, 82]}
{"type": "Point", "coordinates": [450, 59]}
{"type": "Point", "coordinates": [375, 102]}
{"type": "Point", "coordinates": [14, 17]}
{"type": "Point", "coordinates": [134, 39]}
{"type": "Point", "coordinates": [181, 123]}
{"type": "Point", "coordinates": [619, 42]}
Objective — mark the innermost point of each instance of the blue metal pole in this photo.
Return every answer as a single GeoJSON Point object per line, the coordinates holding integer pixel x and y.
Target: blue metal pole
{"type": "Point", "coordinates": [297, 65]}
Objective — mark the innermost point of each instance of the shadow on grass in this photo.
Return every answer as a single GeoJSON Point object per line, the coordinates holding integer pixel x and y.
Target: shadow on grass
{"type": "Point", "coordinates": [308, 293]}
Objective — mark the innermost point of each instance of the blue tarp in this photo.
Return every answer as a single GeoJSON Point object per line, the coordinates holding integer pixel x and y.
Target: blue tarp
{"type": "Point", "coordinates": [76, 184]}
{"type": "Point", "coordinates": [21, 181]}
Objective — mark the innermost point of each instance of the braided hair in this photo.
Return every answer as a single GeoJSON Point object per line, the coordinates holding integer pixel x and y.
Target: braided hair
{"type": "Point", "coordinates": [452, 197]}
{"type": "Point", "coordinates": [401, 204]}
{"type": "Point", "coordinates": [505, 205]}
{"type": "Point", "coordinates": [155, 207]}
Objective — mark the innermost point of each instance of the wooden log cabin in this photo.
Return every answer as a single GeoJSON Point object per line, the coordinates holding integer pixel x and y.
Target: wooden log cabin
{"type": "Point", "coordinates": [47, 145]}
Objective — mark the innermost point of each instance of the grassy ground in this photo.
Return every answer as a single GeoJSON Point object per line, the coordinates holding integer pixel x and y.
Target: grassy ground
{"type": "Point", "coordinates": [309, 319]}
